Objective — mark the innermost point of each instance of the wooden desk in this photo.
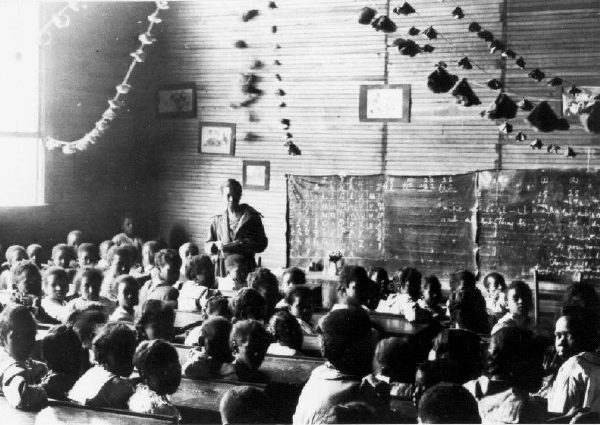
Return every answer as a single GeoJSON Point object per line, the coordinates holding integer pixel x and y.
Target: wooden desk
{"type": "Point", "coordinates": [282, 369]}
{"type": "Point", "coordinates": [187, 319]}
{"type": "Point", "coordinates": [204, 394]}
{"type": "Point", "coordinates": [311, 345]}
{"type": "Point", "coordinates": [393, 325]}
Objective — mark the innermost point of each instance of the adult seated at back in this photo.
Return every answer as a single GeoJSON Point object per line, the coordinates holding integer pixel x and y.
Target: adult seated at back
{"type": "Point", "coordinates": [237, 230]}
{"type": "Point", "coordinates": [577, 383]}
{"type": "Point", "coordinates": [348, 346]}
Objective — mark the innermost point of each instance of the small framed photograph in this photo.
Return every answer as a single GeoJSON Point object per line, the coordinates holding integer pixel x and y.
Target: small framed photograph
{"type": "Point", "coordinates": [216, 138]}
{"type": "Point", "coordinates": [176, 101]}
{"type": "Point", "coordinates": [256, 175]}
{"type": "Point", "coordinates": [384, 102]}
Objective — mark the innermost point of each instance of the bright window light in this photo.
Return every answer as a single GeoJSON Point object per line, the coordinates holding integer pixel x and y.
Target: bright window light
{"type": "Point", "coordinates": [21, 152]}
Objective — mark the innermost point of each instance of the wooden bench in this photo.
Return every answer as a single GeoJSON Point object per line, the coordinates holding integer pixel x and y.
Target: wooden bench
{"type": "Point", "coordinates": [392, 324]}
{"type": "Point", "coordinates": [72, 413]}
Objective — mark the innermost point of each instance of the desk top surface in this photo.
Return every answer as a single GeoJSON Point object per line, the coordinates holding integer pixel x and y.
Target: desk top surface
{"type": "Point", "coordinates": [392, 324]}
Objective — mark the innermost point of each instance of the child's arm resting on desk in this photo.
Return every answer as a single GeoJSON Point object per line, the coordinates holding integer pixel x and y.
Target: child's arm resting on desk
{"type": "Point", "coordinates": [19, 393]}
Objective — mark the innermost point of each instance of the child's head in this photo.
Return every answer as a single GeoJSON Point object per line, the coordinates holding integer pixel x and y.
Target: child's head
{"type": "Point", "coordinates": [127, 225]}
{"type": "Point", "coordinates": [214, 338]}
{"type": "Point", "coordinates": [158, 364]}
{"type": "Point", "coordinates": [447, 403]}
{"type": "Point", "coordinates": [432, 290]}
{"type": "Point", "coordinates": [292, 277]}
{"type": "Point", "coordinates": [249, 304]}
{"type": "Point", "coordinates": [218, 306]}
{"type": "Point", "coordinates": [35, 253]}
{"type": "Point", "coordinates": [74, 238]}
{"type": "Point", "coordinates": [187, 251]}
{"type": "Point", "coordinates": [17, 332]}
{"type": "Point", "coordinates": [62, 255]}
{"type": "Point", "coordinates": [245, 405]}
{"type": "Point", "coordinates": [515, 357]}
{"type": "Point", "coordinates": [62, 350]}
{"type": "Point", "coordinates": [87, 255]}
{"type": "Point", "coordinates": [432, 372]}
{"type": "Point", "coordinates": [286, 330]}
{"type": "Point", "coordinates": [104, 247]}
{"type": "Point", "coordinates": [87, 322]}
{"type": "Point", "coordinates": [249, 342]}
{"type": "Point", "coordinates": [89, 282]}
{"type": "Point", "coordinates": [201, 270]}
{"type": "Point", "coordinates": [56, 283]}
{"type": "Point", "coordinates": [15, 253]}
{"type": "Point", "coordinates": [582, 294]}
{"type": "Point", "coordinates": [128, 290]}
{"type": "Point", "coordinates": [353, 412]}
{"type": "Point", "coordinates": [114, 346]}
{"type": "Point", "coordinates": [157, 321]}
{"type": "Point", "coordinates": [237, 267]}
{"type": "Point", "coordinates": [301, 303]}
{"type": "Point", "coordinates": [462, 279]}
{"type": "Point", "coordinates": [520, 298]}
{"type": "Point", "coordinates": [267, 285]}
{"type": "Point", "coordinates": [119, 260]}
{"type": "Point", "coordinates": [168, 263]}
{"type": "Point", "coordinates": [347, 341]}
{"type": "Point", "coordinates": [395, 358]}
{"type": "Point", "coordinates": [494, 282]}
{"type": "Point", "coordinates": [149, 250]}
{"type": "Point", "coordinates": [461, 345]}
{"type": "Point", "coordinates": [27, 278]}
{"type": "Point", "coordinates": [355, 283]}
{"type": "Point", "coordinates": [409, 282]}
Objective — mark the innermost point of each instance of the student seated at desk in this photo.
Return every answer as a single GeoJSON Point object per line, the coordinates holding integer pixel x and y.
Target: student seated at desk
{"type": "Point", "coordinates": [65, 256]}
{"type": "Point", "coordinates": [286, 333]}
{"type": "Point", "coordinates": [249, 304]}
{"type": "Point", "coordinates": [348, 347]}
{"type": "Point", "coordinates": [290, 278]}
{"type": "Point", "coordinates": [407, 302]}
{"type": "Point", "coordinates": [495, 294]}
{"type": "Point", "coordinates": [128, 290]}
{"type": "Point", "coordinates": [89, 282]}
{"type": "Point", "coordinates": [432, 295]}
{"type": "Point", "coordinates": [148, 268]}
{"type": "Point", "coordinates": [186, 252]}
{"type": "Point", "coordinates": [200, 284]}
{"type": "Point", "coordinates": [215, 307]}
{"type": "Point", "coordinates": [396, 364]}
{"type": "Point", "coordinates": [56, 286]}
{"type": "Point", "coordinates": [381, 288]}
{"type": "Point", "coordinates": [86, 324]}
{"type": "Point", "coordinates": [120, 260]}
{"type": "Point", "coordinates": [265, 282]}
{"type": "Point", "coordinates": [161, 287]}
{"type": "Point", "coordinates": [301, 306]}
{"type": "Point", "coordinates": [466, 306]}
{"type": "Point", "coordinates": [160, 371]}
{"type": "Point", "coordinates": [35, 253]}
{"type": "Point", "coordinates": [249, 343]}
{"type": "Point", "coordinates": [214, 350]}
{"type": "Point", "coordinates": [245, 405]}
{"type": "Point", "coordinates": [104, 249]}
{"type": "Point", "coordinates": [19, 374]}
{"type": "Point", "coordinates": [462, 346]}
{"type": "Point", "coordinates": [28, 282]}
{"type": "Point", "coordinates": [65, 357]}
{"type": "Point", "coordinates": [14, 254]}
{"type": "Point", "coordinates": [87, 255]}
{"type": "Point", "coordinates": [520, 304]}
{"type": "Point", "coordinates": [106, 384]}
{"type": "Point", "coordinates": [237, 270]}
{"type": "Point", "coordinates": [157, 321]}
{"type": "Point", "coordinates": [353, 287]}
{"type": "Point", "coordinates": [447, 403]}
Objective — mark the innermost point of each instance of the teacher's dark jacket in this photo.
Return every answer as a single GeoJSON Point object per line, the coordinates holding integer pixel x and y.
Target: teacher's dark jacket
{"type": "Point", "coordinates": [249, 238]}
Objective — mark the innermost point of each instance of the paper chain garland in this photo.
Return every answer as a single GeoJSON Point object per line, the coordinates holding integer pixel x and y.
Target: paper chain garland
{"type": "Point", "coordinates": [60, 20]}
{"type": "Point", "coordinates": [410, 48]}
{"type": "Point", "coordinates": [116, 104]}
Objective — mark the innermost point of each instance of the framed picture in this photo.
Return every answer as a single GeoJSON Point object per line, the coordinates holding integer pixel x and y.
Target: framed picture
{"type": "Point", "coordinates": [384, 102]}
{"type": "Point", "coordinates": [256, 175]}
{"type": "Point", "coordinates": [216, 138]}
{"type": "Point", "coordinates": [176, 101]}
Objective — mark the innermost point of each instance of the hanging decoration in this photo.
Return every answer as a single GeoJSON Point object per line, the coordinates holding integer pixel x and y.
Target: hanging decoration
{"type": "Point", "coordinates": [60, 20]}
{"type": "Point", "coordinates": [116, 104]}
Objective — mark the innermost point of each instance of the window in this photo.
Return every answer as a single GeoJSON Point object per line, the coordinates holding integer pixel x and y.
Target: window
{"type": "Point", "coordinates": [21, 150]}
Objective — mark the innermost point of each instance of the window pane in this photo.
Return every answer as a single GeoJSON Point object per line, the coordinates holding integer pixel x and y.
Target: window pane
{"type": "Point", "coordinates": [19, 56]}
{"type": "Point", "coordinates": [20, 177]}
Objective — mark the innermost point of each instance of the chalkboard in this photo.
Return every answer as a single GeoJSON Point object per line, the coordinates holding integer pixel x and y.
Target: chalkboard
{"type": "Point", "coordinates": [537, 218]}
{"type": "Point", "coordinates": [427, 222]}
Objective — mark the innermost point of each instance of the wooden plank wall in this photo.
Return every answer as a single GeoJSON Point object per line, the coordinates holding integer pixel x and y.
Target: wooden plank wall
{"type": "Point", "coordinates": [90, 190]}
{"type": "Point", "coordinates": [325, 56]}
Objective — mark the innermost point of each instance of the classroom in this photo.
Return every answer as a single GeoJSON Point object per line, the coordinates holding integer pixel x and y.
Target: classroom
{"type": "Point", "coordinates": [291, 211]}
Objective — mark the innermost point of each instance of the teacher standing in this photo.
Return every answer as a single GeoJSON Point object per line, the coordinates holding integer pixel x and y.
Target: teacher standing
{"type": "Point", "coordinates": [238, 230]}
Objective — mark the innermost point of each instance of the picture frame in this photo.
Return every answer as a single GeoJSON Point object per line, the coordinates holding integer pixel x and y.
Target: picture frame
{"type": "Point", "coordinates": [176, 101]}
{"type": "Point", "coordinates": [256, 175]}
{"type": "Point", "coordinates": [384, 102]}
{"type": "Point", "coordinates": [216, 138]}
